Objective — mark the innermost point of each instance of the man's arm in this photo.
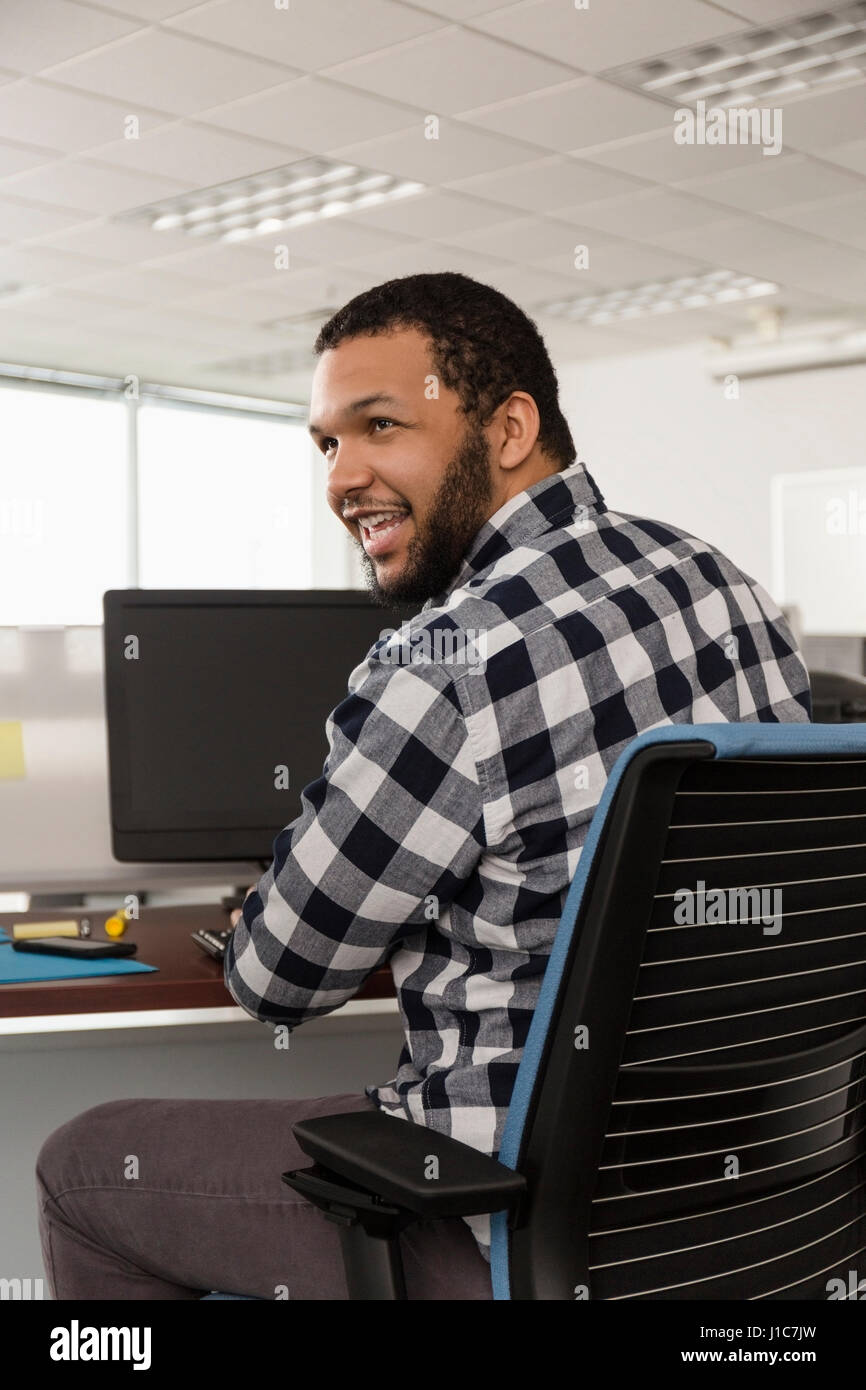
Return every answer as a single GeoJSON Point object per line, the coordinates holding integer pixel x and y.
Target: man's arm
{"type": "Point", "coordinates": [385, 839]}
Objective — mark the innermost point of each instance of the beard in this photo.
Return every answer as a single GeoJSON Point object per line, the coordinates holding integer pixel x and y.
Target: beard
{"type": "Point", "coordinates": [456, 515]}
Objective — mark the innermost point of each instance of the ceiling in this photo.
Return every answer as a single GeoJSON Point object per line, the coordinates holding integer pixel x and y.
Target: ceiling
{"type": "Point", "coordinates": [539, 150]}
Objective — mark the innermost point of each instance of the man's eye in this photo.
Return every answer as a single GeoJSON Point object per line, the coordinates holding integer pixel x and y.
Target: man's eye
{"type": "Point", "coordinates": [383, 421]}
{"type": "Point", "coordinates": [328, 445]}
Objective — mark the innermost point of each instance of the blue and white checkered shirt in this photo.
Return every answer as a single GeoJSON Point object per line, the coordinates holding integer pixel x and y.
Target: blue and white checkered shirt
{"type": "Point", "coordinates": [464, 768]}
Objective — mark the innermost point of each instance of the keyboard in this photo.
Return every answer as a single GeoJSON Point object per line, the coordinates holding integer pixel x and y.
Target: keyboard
{"type": "Point", "coordinates": [214, 942]}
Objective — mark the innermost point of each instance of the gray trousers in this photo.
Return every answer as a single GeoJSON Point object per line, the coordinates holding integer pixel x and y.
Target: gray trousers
{"type": "Point", "coordinates": [165, 1199]}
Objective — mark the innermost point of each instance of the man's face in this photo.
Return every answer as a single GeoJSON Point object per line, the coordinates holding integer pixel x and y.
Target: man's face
{"type": "Point", "coordinates": [407, 475]}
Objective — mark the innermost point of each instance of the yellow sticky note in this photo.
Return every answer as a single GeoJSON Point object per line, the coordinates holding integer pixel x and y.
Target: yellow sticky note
{"type": "Point", "coordinates": [11, 749]}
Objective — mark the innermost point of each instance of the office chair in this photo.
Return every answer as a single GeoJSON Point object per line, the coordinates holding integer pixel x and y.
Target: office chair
{"type": "Point", "coordinates": [837, 697]}
{"type": "Point", "coordinates": [687, 1120]}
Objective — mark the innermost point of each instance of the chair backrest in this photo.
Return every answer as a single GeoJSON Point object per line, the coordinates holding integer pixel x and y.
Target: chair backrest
{"type": "Point", "coordinates": [690, 1108]}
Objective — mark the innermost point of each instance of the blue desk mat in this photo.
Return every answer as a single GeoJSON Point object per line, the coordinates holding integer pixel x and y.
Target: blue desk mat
{"type": "Point", "coordinates": [25, 967]}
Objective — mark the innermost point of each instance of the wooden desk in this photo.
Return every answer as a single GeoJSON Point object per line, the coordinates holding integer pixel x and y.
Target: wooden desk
{"type": "Point", "coordinates": [186, 979]}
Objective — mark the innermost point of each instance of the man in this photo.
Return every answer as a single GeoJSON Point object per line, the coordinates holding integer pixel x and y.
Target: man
{"type": "Point", "coordinates": [460, 782]}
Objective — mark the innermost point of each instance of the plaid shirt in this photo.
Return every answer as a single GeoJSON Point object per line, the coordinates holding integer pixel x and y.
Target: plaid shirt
{"type": "Point", "coordinates": [464, 768]}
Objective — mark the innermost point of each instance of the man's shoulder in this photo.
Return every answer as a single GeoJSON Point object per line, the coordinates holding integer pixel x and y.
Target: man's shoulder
{"type": "Point", "coordinates": [436, 646]}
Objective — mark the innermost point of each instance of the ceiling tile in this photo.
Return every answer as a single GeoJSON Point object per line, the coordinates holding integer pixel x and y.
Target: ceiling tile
{"type": "Point", "coordinates": [568, 342]}
{"type": "Point", "coordinates": [835, 271]}
{"type": "Point", "coordinates": [655, 156]}
{"type": "Point", "coordinates": [21, 221]}
{"type": "Point", "coordinates": [169, 72]}
{"type": "Point", "coordinates": [16, 158]}
{"type": "Point", "coordinates": [284, 293]}
{"type": "Point", "coordinates": [528, 286]}
{"type": "Point", "coordinates": [63, 120]}
{"type": "Point", "coordinates": [153, 10]}
{"type": "Point", "coordinates": [193, 154]}
{"type": "Point", "coordinates": [60, 305]}
{"type": "Point", "coordinates": [462, 9]}
{"type": "Point", "coordinates": [606, 34]}
{"type": "Point", "coordinates": [522, 239]}
{"type": "Point", "coordinates": [116, 240]}
{"type": "Point", "coordinates": [180, 327]}
{"type": "Point", "coordinates": [615, 264]}
{"type": "Point", "coordinates": [256, 302]}
{"type": "Point", "coordinates": [546, 185]}
{"type": "Point", "coordinates": [420, 257]}
{"type": "Point", "coordinates": [766, 11]}
{"type": "Point", "coordinates": [850, 155]}
{"type": "Point", "coordinates": [771, 250]}
{"type": "Point", "coordinates": [574, 113]}
{"type": "Point", "coordinates": [142, 284]}
{"type": "Point", "coordinates": [645, 215]}
{"type": "Point", "coordinates": [75, 183]}
{"type": "Point", "coordinates": [731, 241]}
{"type": "Point", "coordinates": [451, 70]}
{"type": "Point", "coordinates": [337, 239]}
{"type": "Point", "coordinates": [459, 152]}
{"type": "Point", "coordinates": [837, 219]}
{"type": "Point", "coordinates": [40, 265]}
{"type": "Point", "coordinates": [687, 325]}
{"type": "Point", "coordinates": [432, 214]}
{"type": "Point", "coordinates": [780, 180]}
{"type": "Point", "coordinates": [824, 118]}
{"type": "Point", "coordinates": [308, 34]}
{"type": "Point", "coordinates": [221, 262]}
{"type": "Point", "coordinates": [35, 34]}
{"type": "Point", "coordinates": [314, 288]}
{"type": "Point", "coordinates": [67, 347]}
{"type": "Point", "coordinates": [313, 115]}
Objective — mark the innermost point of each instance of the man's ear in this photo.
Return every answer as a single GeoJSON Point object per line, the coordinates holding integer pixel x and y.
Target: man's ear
{"type": "Point", "coordinates": [517, 424]}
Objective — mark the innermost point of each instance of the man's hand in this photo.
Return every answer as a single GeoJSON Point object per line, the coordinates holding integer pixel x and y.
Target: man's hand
{"type": "Point", "coordinates": [235, 916]}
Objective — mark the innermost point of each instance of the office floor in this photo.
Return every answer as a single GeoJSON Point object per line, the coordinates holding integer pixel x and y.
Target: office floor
{"type": "Point", "coordinates": [46, 1079]}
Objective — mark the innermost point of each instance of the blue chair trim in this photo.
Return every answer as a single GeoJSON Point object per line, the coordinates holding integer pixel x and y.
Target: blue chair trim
{"type": "Point", "coordinates": [752, 740]}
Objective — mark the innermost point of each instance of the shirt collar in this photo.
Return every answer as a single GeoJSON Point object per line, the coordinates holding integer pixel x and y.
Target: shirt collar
{"type": "Point", "coordinates": [550, 503]}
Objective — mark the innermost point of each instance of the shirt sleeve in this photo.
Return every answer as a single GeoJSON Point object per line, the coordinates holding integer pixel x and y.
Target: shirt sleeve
{"type": "Point", "coordinates": [386, 837]}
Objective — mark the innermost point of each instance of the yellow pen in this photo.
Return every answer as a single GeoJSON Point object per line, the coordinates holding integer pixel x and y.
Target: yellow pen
{"type": "Point", "coordinates": [116, 925]}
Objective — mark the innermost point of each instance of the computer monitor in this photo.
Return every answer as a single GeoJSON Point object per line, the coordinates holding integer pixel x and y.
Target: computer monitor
{"type": "Point", "coordinates": [216, 704]}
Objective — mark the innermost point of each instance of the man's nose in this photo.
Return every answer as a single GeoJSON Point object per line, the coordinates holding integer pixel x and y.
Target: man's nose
{"type": "Point", "coordinates": [348, 474]}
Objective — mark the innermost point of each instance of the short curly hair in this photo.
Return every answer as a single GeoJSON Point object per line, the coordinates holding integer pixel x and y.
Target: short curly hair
{"type": "Point", "coordinates": [483, 346]}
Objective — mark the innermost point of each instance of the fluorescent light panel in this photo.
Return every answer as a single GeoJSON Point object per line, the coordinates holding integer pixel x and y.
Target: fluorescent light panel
{"type": "Point", "coordinates": [305, 191]}
{"type": "Point", "coordinates": [660, 297]}
{"type": "Point", "coordinates": [790, 57]}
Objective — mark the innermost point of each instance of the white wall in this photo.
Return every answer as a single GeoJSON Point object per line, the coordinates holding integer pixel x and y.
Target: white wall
{"type": "Point", "coordinates": [662, 441]}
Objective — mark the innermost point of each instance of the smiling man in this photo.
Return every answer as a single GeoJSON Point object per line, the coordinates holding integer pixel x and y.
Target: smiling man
{"type": "Point", "coordinates": [409, 469]}
{"type": "Point", "coordinates": [450, 815]}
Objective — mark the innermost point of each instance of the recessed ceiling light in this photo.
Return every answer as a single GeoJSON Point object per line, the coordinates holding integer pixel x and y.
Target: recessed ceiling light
{"type": "Point", "coordinates": [660, 297]}
{"type": "Point", "coordinates": [790, 57]}
{"type": "Point", "coordinates": [285, 197]}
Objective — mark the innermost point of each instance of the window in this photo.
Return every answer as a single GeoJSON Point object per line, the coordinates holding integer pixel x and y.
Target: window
{"type": "Point", "coordinates": [224, 501]}
{"type": "Point", "coordinates": [63, 505]}
{"type": "Point", "coordinates": [99, 492]}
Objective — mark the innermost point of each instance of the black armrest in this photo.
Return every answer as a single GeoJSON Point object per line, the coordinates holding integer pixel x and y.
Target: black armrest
{"type": "Point", "coordinates": [390, 1157]}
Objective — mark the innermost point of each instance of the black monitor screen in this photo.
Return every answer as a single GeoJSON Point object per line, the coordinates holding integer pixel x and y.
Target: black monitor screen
{"type": "Point", "coordinates": [216, 705]}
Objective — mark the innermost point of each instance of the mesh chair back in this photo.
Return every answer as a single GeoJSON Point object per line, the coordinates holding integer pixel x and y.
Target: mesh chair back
{"type": "Point", "coordinates": [691, 1114]}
